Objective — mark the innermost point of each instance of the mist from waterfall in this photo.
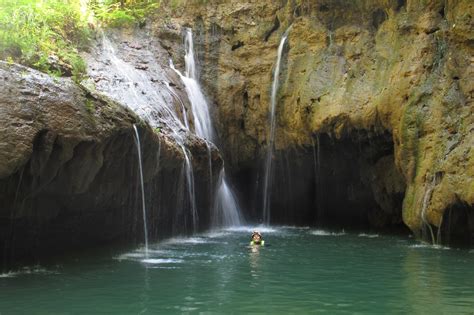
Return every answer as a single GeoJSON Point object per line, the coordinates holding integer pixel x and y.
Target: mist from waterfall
{"type": "Point", "coordinates": [271, 139]}
{"type": "Point", "coordinates": [226, 209]}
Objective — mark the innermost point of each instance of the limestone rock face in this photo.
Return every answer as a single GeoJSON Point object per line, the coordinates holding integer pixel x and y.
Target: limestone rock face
{"type": "Point", "coordinates": [374, 67]}
{"type": "Point", "coordinates": [69, 174]}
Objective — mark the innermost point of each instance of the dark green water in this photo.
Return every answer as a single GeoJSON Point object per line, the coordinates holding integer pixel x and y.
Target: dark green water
{"type": "Point", "coordinates": [300, 271]}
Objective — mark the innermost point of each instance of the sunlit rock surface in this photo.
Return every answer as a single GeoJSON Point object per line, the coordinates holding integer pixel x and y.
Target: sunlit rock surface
{"type": "Point", "coordinates": [377, 68]}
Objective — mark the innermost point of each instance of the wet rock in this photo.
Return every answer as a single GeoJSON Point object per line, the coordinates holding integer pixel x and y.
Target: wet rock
{"type": "Point", "coordinates": [69, 174]}
{"type": "Point", "coordinates": [394, 67]}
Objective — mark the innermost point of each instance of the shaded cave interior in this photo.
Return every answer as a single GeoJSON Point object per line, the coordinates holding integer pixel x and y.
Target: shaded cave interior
{"type": "Point", "coordinates": [87, 195]}
{"type": "Point", "coordinates": [457, 227]}
{"type": "Point", "coordinates": [349, 183]}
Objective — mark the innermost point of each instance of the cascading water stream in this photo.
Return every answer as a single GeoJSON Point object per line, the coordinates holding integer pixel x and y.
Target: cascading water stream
{"type": "Point", "coordinates": [271, 138]}
{"type": "Point", "coordinates": [152, 105]}
{"type": "Point", "coordinates": [427, 196]}
{"type": "Point", "coordinates": [226, 210]}
{"type": "Point", "coordinates": [183, 108]}
{"type": "Point", "coordinates": [140, 95]}
{"type": "Point", "coordinates": [209, 156]}
{"type": "Point", "coordinates": [317, 177]}
{"type": "Point", "coordinates": [190, 181]}
{"type": "Point", "coordinates": [200, 110]}
{"type": "Point", "coordinates": [145, 226]}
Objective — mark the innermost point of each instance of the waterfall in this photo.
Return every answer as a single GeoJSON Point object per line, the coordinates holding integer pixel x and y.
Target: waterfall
{"type": "Point", "coordinates": [133, 89]}
{"type": "Point", "coordinates": [317, 178]}
{"type": "Point", "coordinates": [210, 187]}
{"type": "Point", "coordinates": [139, 94]}
{"type": "Point", "coordinates": [190, 182]}
{"type": "Point", "coordinates": [271, 138]}
{"type": "Point", "coordinates": [426, 198]}
{"type": "Point", "coordinates": [226, 210]}
{"type": "Point", "coordinates": [183, 108]}
{"type": "Point", "coordinates": [200, 109]}
{"type": "Point", "coordinates": [139, 150]}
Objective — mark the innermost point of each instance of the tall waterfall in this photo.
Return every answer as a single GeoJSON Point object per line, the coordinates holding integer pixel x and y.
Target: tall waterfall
{"type": "Point", "coordinates": [271, 139]}
{"type": "Point", "coordinates": [200, 110]}
{"type": "Point", "coordinates": [145, 226]}
{"type": "Point", "coordinates": [152, 105]}
{"type": "Point", "coordinates": [226, 210]}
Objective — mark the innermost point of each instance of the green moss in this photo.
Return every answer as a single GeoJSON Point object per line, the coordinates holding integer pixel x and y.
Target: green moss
{"type": "Point", "coordinates": [409, 131]}
{"type": "Point", "coordinates": [90, 106]}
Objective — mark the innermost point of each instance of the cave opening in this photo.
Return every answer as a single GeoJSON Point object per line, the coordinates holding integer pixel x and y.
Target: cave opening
{"type": "Point", "coordinates": [457, 228]}
{"type": "Point", "coordinates": [349, 183]}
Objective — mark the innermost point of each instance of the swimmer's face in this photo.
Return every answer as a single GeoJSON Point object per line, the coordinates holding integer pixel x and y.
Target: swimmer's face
{"type": "Point", "coordinates": [256, 237]}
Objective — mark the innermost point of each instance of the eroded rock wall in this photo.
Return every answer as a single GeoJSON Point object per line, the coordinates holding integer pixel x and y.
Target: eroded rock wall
{"type": "Point", "coordinates": [402, 68]}
{"type": "Point", "coordinates": [69, 170]}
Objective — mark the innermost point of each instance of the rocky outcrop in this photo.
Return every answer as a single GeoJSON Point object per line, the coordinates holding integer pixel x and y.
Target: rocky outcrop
{"type": "Point", "coordinates": [69, 172]}
{"type": "Point", "coordinates": [397, 72]}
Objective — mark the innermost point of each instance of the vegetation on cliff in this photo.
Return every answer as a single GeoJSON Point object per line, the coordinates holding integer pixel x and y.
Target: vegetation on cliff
{"type": "Point", "coordinates": [118, 13]}
{"type": "Point", "coordinates": [45, 35]}
{"type": "Point", "coordinates": [352, 71]}
{"type": "Point", "coordinates": [49, 35]}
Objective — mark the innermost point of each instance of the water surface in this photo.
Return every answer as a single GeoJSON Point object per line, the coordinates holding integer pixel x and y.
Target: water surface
{"type": "Point", "coordinates": [300, 270]}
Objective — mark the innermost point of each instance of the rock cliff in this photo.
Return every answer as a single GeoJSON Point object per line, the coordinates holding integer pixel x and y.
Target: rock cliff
{"type": "Point", "coordinates": [384, 87]}
{"type": "Point", "coordinates": [69, 174]}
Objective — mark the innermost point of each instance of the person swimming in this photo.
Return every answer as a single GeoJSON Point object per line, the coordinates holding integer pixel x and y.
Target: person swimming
{"type": "Point", "coordinates": [257, 239]}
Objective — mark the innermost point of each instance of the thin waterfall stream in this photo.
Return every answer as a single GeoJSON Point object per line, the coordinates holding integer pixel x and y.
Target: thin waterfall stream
{"type": "Point", "coordinates": [271, 138]}
{"type": "Point", "coordinates": [145, 225]}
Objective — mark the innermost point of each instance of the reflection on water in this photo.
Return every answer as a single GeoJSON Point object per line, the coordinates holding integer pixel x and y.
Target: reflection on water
{"type": "Point", "coordinates": [435, 274]}
{"type": "Point", "coordinates": [145, 296]}
{"type": "Point", "coordinates": [253, 259]}
{"type": "Point", "coordinates": [303, 271]}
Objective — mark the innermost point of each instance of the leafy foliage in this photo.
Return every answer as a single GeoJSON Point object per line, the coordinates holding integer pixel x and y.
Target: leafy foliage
{"type": "Point", "coordinates": [48, 34]}
{"type": "Point", "coordinates": [45, 35]}
{"type": "Point", "coordinates": [119, 13]}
